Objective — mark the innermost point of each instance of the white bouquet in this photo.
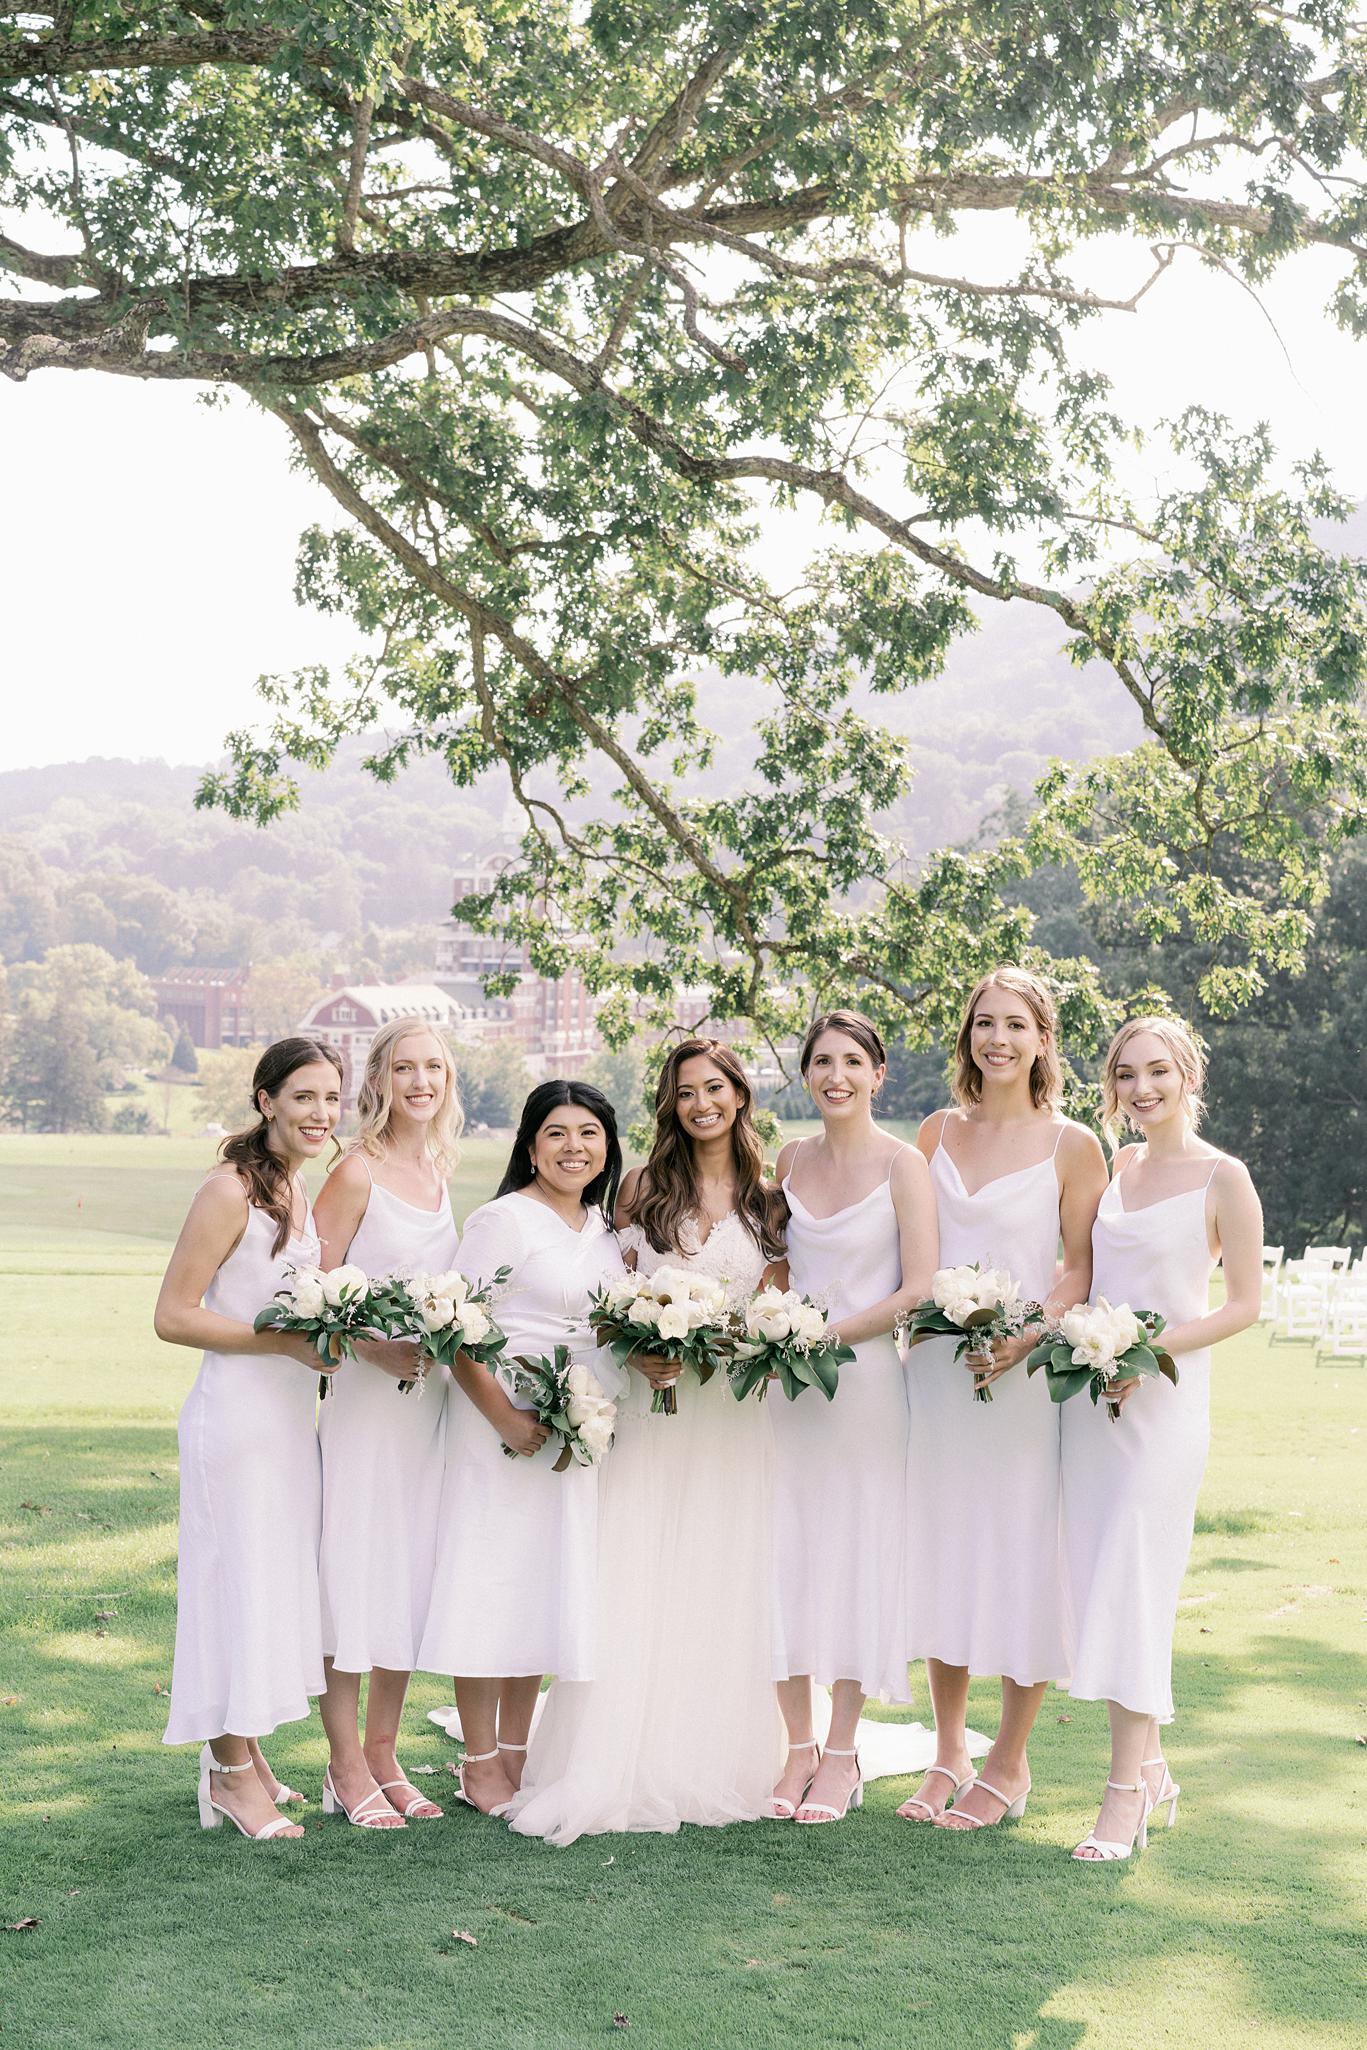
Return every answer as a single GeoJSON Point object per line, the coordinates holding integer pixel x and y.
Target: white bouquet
{"type": "Point", "coordinates": [444, 1313]}
{"type": "Point", "coordinates": [333, 1308]}
{"type": "Point", "coordinates": [1097, 1346]}
{"type": "Point", "coordinates": [785, 1336]}
{"type": "Point", "coordinates": [562, 1394]}
{"type": "Point", "coordinates": [675, 1313]}
{"type": "Point", "coordinates": [979, 1305]}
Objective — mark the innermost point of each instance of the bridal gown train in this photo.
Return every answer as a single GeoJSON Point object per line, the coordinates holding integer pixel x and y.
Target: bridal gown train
{"type": "Point", "coordinates": [680, 1723]}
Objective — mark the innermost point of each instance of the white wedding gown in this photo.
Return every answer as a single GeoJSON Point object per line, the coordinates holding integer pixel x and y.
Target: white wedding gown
{"type": "Point", "coordinates": [680, 1723]}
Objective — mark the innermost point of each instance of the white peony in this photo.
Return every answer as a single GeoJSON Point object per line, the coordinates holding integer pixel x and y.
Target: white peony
{"type": "Point", "coordinates": [775, 1325]}
{"type": "Point", "coordinates": [584, 1395]}
{"type": "Point", "coordinates": [308, 1295]}
{"type": "Point", "coordinates": [1077, 1325]}
{"type": "Point", "coordinates": [673, 1320]}
{"type": "Point", "coordinates": [1121, 1325]}
{"type": "Point", "coordinates": [344, 1281]}
{"type": "Point", "coordinates": [595, 1433]}
{"type": "Point", "coordinates": [809, 1323]}
{"type": "Point", "coordinates": [475, 1322]}
{"type": "Point", "coordinates": [451, 1285]}
{"type": "Point", "coordinates": [643, 1311]}
{"type": "Point", "coordinates": [437, 1313]}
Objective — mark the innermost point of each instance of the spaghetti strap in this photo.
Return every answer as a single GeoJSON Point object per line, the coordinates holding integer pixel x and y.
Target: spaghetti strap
{"type": "Point", "coordinates": [1059, 1141]}
{"type": "Point", "coordinates": [1211, 1176]}
{"type": "Point", "coordinates": [945, 1115]}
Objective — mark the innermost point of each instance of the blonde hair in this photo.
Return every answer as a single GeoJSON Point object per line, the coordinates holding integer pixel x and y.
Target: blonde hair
{"type": "Point", "coordinates": [1046, 1072]}
{"type": "Point", "coordinates": [1186, 1057]}
{"type": "Point", "coordinates": [375, 1097]}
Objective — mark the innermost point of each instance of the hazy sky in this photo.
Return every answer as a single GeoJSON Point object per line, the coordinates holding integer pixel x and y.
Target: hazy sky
{"type": "Point", "coordinates": [147, 542]}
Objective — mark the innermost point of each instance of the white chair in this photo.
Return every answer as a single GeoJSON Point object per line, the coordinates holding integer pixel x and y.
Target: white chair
{"type": "Point", "coordinates": [1335, 1258]}
{"type": "Point", "coordinates": [1272, 1278]}
{"type": "Point", "coordinates": [1346, 1337]}
{"type": "Point", "coordinates": [1303, 1310]}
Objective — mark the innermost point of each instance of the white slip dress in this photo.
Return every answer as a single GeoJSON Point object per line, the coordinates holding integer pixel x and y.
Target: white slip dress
{"type": "Point", "coordinates": [384, 1456]}
{"type": "Point", "coordinates": [1130, 1486]}
{"type": "Point", "coordinates": [681, 1723]}
{"type": "Point", "coordinates": [514, 1589]}
{"type": "Point", "coordinates": [840, 1467]}
{"type": "Point", "coordinates": [249, 1650]}
{"type": "Point", "coordinates": [983, 1569]}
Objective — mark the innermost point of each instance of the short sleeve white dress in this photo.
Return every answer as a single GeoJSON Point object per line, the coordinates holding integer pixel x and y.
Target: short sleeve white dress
{"type": "Point", "coordinates": [681, 1722]}
{"type": "Point", "coordinates": [249, 1649]}
{"type": "Point", "coordinates": [383, 1459]}
{"type": "Point", "coordinates": [1130, 1486]}
{"type": "Point", "coordinates": [983, 1568]}
{"type": "Point", "coordinates": [840, 1467]}
{"type": "Point", "coordinates": [515, 1582]}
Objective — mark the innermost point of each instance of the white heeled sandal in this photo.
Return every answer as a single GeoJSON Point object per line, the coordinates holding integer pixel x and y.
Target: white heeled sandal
{"type": "Point", "coordinates": [779, 1810]}
{"type": "Point", "coordinates": [1012, 1811]}
{"type": "Point", "coordinates": [1168, 1792]}
{"type": "Point", "coordinates": [1107, 1850]}
{"type": "Point", "coordinates": [919, 1801]}
{"type": "Point", "coordinates": [409, 1810]}
{"type": "Point", "coordinates": [365, 1814]}
{"type": "Point", "coordinates": [818, 1812]}
{"type": "Point", "coordinates": [479, 1758]}
{"type": "Point", "coordinates": [212, 1812]}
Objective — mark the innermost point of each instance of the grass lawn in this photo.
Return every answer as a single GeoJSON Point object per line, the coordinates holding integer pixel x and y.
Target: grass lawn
{"type": "Point", "coordinates": [1244, 1925]}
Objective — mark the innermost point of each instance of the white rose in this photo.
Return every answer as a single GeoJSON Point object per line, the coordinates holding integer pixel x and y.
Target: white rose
{"type": "Point", "coordinates": [308, 1295]}
{"type": "Point", "coordinates": [344, 1281]}
{"type": "Point", "coordinates": [775, 1325]}
{"type": "Point", "coordinates": [643, 1311]}
{"type": "Point", "coordinates": [451, 1285]}
{"type": "Point", "coordinates": [959, 1309]}
{"type": "Point", "coordinates": [595, 1433]}
{"type": "Point", "coordinates": [809, 1323]}
{"type": "Point", "coordinates": [475, 1323]}
{"type": "Point", "coordinates": [673, 1320]}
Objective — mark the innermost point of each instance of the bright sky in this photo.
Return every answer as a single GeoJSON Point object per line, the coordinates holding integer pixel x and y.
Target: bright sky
{"type": "Point", "coordinates": [147, 541]}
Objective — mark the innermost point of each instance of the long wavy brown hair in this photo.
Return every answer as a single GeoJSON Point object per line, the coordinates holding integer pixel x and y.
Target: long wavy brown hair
{"type": "Point", "coordinates": [266, 1176]}
{"type": "Point", "coordinates": [667, 1195]}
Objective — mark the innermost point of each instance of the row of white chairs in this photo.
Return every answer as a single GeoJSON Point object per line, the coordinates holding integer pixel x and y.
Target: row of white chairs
{"type": "Point", "coordinates": [1322, 1297]}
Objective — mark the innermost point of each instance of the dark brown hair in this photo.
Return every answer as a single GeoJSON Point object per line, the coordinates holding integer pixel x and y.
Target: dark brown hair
{"type": "Point", "coordinates": [855, 1026]}
{"type": "Point", "coordinates": [266, 1176]}
{"type": "Point", "coordinates": [667, 1194]}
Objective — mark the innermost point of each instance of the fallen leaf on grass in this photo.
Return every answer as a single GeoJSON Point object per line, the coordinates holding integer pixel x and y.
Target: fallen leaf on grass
{"type": "Point", "coordinates": [453, 1768]}
{"type": "Point", "coordinates": [621, 2021]}
{"type": "Point", "coordinates": [464, 1936]}
{"type": "Point", "coordinates": [39, 1509]}
{"type": "Point", "coordinates": [102, 1633]}
{"type": "Point", "coordinates": [1206, 1630]}
{"type": "Point", "coordinates": [1360, 1738]}
{"type": "Point", "coordinates": [1063, 1719]}
{"type": "Point", "coordinates": [105, 1615]}
{"type": "Point", "coordinates": [11, 1700]}
{"type": "Point", "coordinates": [29, 1921]}
{"type": "Point", "coordinates": [424, 1768]}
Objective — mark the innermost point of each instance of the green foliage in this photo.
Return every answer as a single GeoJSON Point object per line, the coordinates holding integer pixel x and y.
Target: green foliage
{"type": "Point", "coordinates": [493, 1080]}
{"type": "Point", "coordinates": [132, 1118]}
{"type": "Point", "coordinates": [566, 305]}
{"type": "Point", "coordinates": [183, 1055]}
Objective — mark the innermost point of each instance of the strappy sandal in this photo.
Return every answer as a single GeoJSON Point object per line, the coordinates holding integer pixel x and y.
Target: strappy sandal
{"type": "Point", "coordinates": [479, 1758]}
{"type": "Point", "coordinates": [1168, 1792]}
{"type": "Point", "coordinates": [919, 1800]}
{"type": "Point", "coordinates": [1107, 1850]}
{"type": "Point", "coordinates": [365, 1815]}
{"type": "Point", "coordinates": [818, 1812]}
{"type": "Point", "coordinates": [1012, 1811]}
{"type": "Point", "coordinates": [779, 1810]}
{"type": "Point", "coordinates": [413, 1810]}
{"type": "Point", "coordinates": [212, 1812]}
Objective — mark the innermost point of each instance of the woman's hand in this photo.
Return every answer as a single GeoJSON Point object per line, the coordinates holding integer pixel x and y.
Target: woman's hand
{"type": "Point", "coordinates": [999, 1357]}
{"type": "Point", "coordinates": [521, 1431]}
{"type": "Point", "coordinates": [655, 1368]}
{"type": "Point", "coordinates": [1119, 1392]}
{"type": "Point", "coordinates": [295, 1345]}
{"type": "Point", "coordinates": [401, 1357]}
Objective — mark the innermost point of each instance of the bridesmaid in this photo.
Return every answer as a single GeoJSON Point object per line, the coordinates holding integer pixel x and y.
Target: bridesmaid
{"type": "Point", "coordinates": [680, 1723]}
{"type": "Point", "coordinates": [516, 1572]}
{"type": "Point", "coordinates": [861, 1235]}
{"type": "Point", "coordinates": [248, 1647]}
{"type": "Point", "coordinates": [1175, 1206]}
{"type": "Point", "coordinates": [384, 1208]}
{"type": "Point", "coordinates": [1012, 1178]}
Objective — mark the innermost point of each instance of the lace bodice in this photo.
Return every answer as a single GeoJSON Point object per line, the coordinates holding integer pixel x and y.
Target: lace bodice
{"type": "Point", "coordinates": [728, 1255]}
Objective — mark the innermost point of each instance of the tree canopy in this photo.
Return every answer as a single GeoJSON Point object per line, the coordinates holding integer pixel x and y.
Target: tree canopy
{"type": "Point", "coordinates": [568, 306]}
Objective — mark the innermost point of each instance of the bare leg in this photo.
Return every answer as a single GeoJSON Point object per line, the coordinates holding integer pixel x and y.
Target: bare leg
{"type": "Point", "coordinates": [242, 1793]}
{"type": "Point", "coordinates": [1156, 1774]}
{"type": "Point", "coordinates": [486, 1783]}
{"type": "Point", "coordinates": [1005, 1766]}
{"type": "Point", "coordinates": [795, 1701]}
{"type": "Point", "coordinates": [836, 1774]}
{"type": "Point", "coordinates": [949, 1698]}
{"type": "Point", "coordinates": [352, 1778]}
{"type": "Point", "coordinates": [383, 1708]}
{"type": "Point", "coordinates": [1121, 1813]}
{"type": "Point", "coordinates": [274, 1787]}
{"type": "Point", "coordinates": [516, 1707]}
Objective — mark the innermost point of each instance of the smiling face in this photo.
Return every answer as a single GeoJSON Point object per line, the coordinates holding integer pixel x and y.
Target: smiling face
{"type": "Point", "coordinates": [417, 1077]}
{"type": "Point", "coordinates": [841, 1077]}
{"type": "Point", "coordinates": [569, 1151]}
{"type": "Point", "coordinates": [1005, 1039]}
{"type": "Point", "coordinates": [1150, 1087]}
{"type": "Point", "coordinates": [706, 1100]}
{"type": "Point", "coordinates": [304, 1111]}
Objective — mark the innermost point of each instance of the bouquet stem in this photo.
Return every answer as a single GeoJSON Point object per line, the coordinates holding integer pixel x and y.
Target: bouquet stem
{"type": "Point", "coordinates": [665, 1402]}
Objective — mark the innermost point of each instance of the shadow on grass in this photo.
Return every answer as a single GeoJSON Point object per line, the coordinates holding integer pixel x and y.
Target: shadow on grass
{"type": "Point", "coordinates": [153, 1934]}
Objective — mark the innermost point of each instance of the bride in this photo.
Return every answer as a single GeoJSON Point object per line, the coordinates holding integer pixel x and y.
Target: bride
{"type": "Point", "coordinates": [680, 1723]}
